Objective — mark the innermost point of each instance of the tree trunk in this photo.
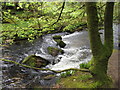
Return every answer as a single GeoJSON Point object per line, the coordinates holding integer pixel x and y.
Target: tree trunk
{"type": "Point", "coordinates": [108, 26]}
{"type": "Point", "coordinates": [101, 53]}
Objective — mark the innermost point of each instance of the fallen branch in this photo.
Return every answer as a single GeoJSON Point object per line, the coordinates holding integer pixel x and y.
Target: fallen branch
{"type": "Point", "coordinates": [83, 70]}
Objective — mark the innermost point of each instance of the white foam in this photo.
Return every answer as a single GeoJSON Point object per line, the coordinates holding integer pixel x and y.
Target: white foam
{"type": "Point", "coordinates": [72, 60]}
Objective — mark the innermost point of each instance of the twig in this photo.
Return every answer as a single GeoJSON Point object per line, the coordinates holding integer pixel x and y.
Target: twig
{"type": "Point", "coordinates": [83, 70]}
{"type": "Point", "coordinates": [60, 13]}
{"type": "Point", "coordinates": [58, 17]}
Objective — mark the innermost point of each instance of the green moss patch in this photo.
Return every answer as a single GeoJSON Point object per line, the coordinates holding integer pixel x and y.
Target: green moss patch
{"type": "Point", "coordinates": [57, 37]}
{"type": "Point", "coordinates": [54, 51]}
{"type": "Point", "coordinates": [35, 61]}
{"type": "Point", "coordinates": [85, 65]}
{"type": "Point", "coordinates": [78, 80]}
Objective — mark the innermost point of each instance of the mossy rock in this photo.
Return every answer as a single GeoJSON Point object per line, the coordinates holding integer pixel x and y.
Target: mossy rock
{"type": "Point", "coordinates": [59, 41]}
{"type": "Point", "coordinates": [54, 51]}
{"type": "Point", "coordinates": [57, 37]}
{"type": "Point", "coordinates": [35, 61]}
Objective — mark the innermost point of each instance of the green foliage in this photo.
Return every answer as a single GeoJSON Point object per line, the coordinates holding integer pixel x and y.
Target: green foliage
{"type": "Point", "coordinates": [85, 65]}
{"type": "Point", "coordinates": [85, 77]}
{"type": "Point", "coordinates": [73, 27]}
{"type": "Point", "coordinates": [67, 73]}
{"type": "Point", "coordinates": [30, 20]}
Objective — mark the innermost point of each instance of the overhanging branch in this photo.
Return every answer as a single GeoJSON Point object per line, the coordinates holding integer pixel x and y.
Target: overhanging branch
{"type": "Point", "coordinates": [60, 13]}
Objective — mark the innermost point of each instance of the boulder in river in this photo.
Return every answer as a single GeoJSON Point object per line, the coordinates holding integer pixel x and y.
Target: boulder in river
{"type": "Point", "coordinates": [54, 51]}
{"type": "Point", "coordinates": [35, 61]}
{"type": "Point", "coordinates": [59, 41]}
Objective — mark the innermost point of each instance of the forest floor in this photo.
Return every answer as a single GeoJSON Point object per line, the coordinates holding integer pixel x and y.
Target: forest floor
{"type": "Point", "coordinates": [114, 67]}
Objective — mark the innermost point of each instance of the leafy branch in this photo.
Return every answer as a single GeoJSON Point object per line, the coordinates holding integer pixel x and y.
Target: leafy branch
{"type": "Point", "coordinates": [11, 20]}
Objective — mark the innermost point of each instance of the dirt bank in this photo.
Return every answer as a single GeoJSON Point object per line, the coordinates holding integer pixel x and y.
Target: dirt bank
{"type": "Point", "coordinates": [114, 67]}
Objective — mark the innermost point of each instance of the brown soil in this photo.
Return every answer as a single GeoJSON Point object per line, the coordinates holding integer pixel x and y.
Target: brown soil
{"type": "Point", "coordinates": [114, 67]}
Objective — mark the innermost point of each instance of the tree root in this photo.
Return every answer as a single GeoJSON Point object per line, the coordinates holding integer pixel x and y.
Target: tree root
{"type": "Point", "coordinates": [83, 70]}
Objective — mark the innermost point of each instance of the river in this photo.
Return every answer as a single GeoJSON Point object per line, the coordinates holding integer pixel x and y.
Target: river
{"type": "Point", "coordinates": [76, 51]}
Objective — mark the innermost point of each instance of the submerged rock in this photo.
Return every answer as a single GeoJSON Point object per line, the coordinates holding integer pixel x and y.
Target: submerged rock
{"type": "Point", "coordinates": [59, 41]}
{"type": "Point", "coordinates": [54, 51]}
{"type": "Point", "coordinates": [35, 61]}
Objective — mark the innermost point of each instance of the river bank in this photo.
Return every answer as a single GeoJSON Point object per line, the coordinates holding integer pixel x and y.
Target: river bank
{"type": "Point", "coordinates": [84, 80]}
{"type": "Point", "coordinates": [114, 67]}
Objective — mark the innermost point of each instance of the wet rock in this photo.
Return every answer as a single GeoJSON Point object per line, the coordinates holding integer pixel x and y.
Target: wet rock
{"type": "Point", "coordinates": [54, 51]}
{"type": "Point", "coordinates": [35, 61]}
{"type": "Point", "coordinates": [59, 41]}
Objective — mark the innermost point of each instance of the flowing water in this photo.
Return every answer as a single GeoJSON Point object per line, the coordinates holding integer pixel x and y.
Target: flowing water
{"type": "Point", "coordinates": [76, 51]}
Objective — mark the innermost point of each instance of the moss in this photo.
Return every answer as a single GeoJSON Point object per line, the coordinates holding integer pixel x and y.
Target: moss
{"type": "Point", "coordinates": [101, 53]}
{"type": "Point", "coordinates": [54, 51]}
{"type": "Point", "coordinates": [60, 43]}
{"type": "Point", "coordinates": [35, 61]}
{"type": "Point", "coordinates": [99, 70]}
{"type": "Point", "coordinates": [37, 88]}
{"type": "Point", "coordinates": [83, 80]}
{"type": "Point", "coordinates": [57, 37]}
{"type": "Point", "coordinates": [79, 80]}
{"type": "Point", "coordinates": [27, 58]}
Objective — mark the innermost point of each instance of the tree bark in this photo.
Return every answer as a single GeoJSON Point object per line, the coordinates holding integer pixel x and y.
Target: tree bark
{"type": "Point", "coordinates": [108, 26]}
{"type": "Point", "coordinates": [92, 18]}
{"type": "Point", "coordinates": [101, 52]}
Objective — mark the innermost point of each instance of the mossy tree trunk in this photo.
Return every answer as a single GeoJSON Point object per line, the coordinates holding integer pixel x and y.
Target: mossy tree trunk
{"type": "Point", "coordinates": [101, 52]}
